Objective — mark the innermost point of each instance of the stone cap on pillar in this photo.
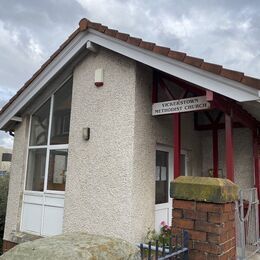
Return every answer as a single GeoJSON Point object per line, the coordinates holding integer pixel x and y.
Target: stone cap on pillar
{"type": "Point", "coordinates": [205, 189]}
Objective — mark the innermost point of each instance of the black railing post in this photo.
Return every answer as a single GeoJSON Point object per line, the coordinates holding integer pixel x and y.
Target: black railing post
{"type": "Point", "coordinates": [142, 251]}
{"type": "Point", "coordinates": [150, 251]}
{"type": "Point", "coordinates": [170, 244]}
{"type": "Point", "coordinates": [163, 252]}
{"type": "Point", "coordinates": [186, 244]}
{"type": "Point", "coordinates": [157, 250]}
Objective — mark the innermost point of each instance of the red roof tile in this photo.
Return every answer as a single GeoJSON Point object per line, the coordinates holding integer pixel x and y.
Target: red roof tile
{"type": "Point", "coordinates": [85, 24]}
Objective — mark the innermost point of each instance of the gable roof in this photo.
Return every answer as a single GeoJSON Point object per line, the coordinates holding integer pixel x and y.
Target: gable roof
{"type": "Point", "coordinates": [85, 25]}
{"type": "Point", "coordinates": [176, 55]}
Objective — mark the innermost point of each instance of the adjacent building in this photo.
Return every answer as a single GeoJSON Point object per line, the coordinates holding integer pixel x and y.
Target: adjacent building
{"type": "Point", "coordinates": [5, 162]}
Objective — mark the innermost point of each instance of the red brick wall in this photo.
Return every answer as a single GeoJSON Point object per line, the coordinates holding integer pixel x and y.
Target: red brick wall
{"type": "Point", "coordinates": [8, 245]}
{"type": "Point", "coordinates": [211, 228]}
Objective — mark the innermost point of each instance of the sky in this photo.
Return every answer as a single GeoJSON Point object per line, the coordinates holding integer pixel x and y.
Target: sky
{"type": "Point", "coordinates": [219, 31]}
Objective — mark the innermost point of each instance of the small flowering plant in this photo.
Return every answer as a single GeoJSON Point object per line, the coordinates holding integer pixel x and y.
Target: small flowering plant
{"type": "Point", "coordinates": [165, 230]}
{"type": "Point", "coordinates": [163, 237]}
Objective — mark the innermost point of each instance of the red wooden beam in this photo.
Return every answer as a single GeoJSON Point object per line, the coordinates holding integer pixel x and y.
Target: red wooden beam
{"type": "Point", "coordinates": [166, 89]}
{"type": "Point", "coordinates": [218, 101]}
{"type": "Point", "coordinates": [229, 147]}
{"type": "Point", "coordinates": [184, 85]}
{"type": "Point", "coordinates": [208, 115]}
{"type": "Point", "coordinates": [256, 155]}
{"type": "Point", "coordinates": [209, 95]}
{"type": "Point", "coordinates": [239, 114]}
{"type": "Point", "coordinates": [215, 152]}
{"type": "Point", "coordinates": [184, 94]}
{"type": "Point", "coordinates": [177, 145]}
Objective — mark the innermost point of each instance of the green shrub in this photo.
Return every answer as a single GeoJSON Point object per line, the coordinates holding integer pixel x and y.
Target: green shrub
{"type": "Point", "coordinates": [4, 183]}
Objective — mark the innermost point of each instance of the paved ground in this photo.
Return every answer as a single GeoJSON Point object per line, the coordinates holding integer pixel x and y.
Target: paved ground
{"type": "Point", "coordinates": [255, 257]}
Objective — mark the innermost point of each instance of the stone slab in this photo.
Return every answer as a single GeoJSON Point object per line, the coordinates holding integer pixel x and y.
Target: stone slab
{"type": "Point", "coordinates": [205, 189]}
{"type": "Point", "coordinates": [76, 246]}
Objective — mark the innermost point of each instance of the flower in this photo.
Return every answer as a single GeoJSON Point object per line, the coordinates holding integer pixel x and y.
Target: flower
{"type": "Point", "coordinates": [163, 223]}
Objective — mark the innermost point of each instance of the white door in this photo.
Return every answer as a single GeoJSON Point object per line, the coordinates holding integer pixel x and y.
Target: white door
{"type": "Point", "coordinates": [163, 178]}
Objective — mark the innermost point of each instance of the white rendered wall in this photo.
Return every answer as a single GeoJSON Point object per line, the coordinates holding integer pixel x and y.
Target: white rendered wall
{"type": "Point", "coordinates": [98, 197]}
{"type": "Point", "coordinates": [110, 186]}
{"type": "Point", "coordinates": [14, 204]}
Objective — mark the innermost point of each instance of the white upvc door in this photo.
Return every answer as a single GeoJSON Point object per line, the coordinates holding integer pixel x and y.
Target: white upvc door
{"type": "Point", "coordinates": [164, 173]}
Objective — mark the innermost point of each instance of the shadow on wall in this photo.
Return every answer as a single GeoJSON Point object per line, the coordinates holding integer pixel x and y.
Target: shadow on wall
{"type": "Point", "coordinates": [4, 184]}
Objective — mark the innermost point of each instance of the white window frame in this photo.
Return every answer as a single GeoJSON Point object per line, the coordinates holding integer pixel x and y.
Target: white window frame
{"type": "Point", "coordinates": [48, 146]}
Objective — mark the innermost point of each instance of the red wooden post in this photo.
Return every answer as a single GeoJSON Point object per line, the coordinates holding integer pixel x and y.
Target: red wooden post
{"type": "Point", "coordinates": [256, 161]}
{"type": "Point", "coordinates": [177, 144]}
{"type": "Point", "coordinates": [215, 152]}
{"type": "Point", "coordinates": [229, 148]}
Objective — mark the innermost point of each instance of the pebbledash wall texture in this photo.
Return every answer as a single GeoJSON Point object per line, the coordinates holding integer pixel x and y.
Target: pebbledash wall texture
{"type": "Point", "coordinates": [100, 171]}
{"type": "Point", "coordinates": [16, 183]}
{"type": "Point", "coordinates": [110, 186]}
{"type": "Point", "coordinates": [111, 182]}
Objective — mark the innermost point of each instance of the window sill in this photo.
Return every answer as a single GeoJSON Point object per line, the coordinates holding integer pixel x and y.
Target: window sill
{"type": "Point", "coordinates": [21, 237]}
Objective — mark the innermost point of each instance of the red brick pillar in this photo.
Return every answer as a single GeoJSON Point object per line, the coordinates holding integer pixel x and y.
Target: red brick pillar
{"type": "Point", "coordinates": [207, 212]}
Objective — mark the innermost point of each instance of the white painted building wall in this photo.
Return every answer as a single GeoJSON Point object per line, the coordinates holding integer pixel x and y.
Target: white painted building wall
{"type": "Point", "coordinates": [110, 186]}
{"type": "Point", "coordinates": [98, 197]}
{"type": "Point", "coordinates": [16, 183]}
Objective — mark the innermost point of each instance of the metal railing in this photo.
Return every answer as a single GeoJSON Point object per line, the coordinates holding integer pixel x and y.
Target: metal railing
{"type": "Point", "coordinates": [247, 224]}
{"type": "Point", "coordinates": [174, 247]}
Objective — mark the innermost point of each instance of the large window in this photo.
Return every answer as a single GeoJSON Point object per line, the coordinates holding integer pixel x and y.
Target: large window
{"type": "Point", "coordinates": [48, 143]}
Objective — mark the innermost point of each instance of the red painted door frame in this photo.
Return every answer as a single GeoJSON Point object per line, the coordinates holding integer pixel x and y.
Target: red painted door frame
{"type": "Point", "coordinates": [176, 145]}
{"type": "Point", "coordinates": [215, 152]}
{"type": "Point", "coordinates": [229, 147]}
{"type": "Point", "coordinates": [256, 154]}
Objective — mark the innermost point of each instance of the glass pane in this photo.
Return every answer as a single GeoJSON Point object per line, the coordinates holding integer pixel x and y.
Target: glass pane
{"type": "Point", "coordinates": [161, 186]}
{"type": "Point", "coordinates": [40, 125]}
{"type": "Point", "coordinates": [36, 169]}
{"type": "Point", "coordinates": [183, 164]}
{"type": "Point", "coordinates": [57, 170]}
{"type": "Point", "coordinates": [61, 115]}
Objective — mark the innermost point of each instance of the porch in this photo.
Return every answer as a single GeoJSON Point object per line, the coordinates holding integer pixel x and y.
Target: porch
{"type": "Point", "coordinates": [204, 134]}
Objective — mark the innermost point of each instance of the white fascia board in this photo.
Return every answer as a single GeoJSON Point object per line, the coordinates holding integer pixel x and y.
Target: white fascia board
{"type": "Point", "coordinates": [40, 81]}
{"type": "Point", "coordinates": [216, 83]}
{"type": "Point", "coordinates": [17, 119]}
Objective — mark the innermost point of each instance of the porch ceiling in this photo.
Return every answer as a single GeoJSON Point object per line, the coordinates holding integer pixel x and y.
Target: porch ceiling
{"type": "Point", "coordinates": [253, 107]}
